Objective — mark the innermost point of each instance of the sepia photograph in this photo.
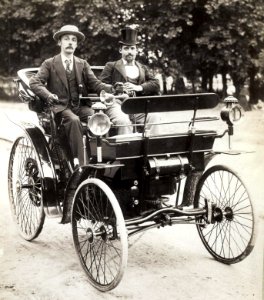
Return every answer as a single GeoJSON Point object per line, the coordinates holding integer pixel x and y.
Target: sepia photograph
{"type": "Point", "coordinates": [132, 149]}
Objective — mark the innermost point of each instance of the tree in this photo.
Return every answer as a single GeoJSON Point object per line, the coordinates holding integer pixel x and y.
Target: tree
{"type": "Point", "coordinates": [199, 38]}
{"type": "Point", "coordinates": [236, 37]}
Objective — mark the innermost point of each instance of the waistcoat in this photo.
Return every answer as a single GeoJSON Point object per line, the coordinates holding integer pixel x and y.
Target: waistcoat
{"type": "Point", "coordinates": [134, 80]}
{"type": "Point", "coordinates": [73, 89]}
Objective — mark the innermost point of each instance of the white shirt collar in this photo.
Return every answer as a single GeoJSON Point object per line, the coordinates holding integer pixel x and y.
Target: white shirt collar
{"type": "Point", "coordinates": [131, 71]}
{"type": "Point", "coordinates": [63, 58]}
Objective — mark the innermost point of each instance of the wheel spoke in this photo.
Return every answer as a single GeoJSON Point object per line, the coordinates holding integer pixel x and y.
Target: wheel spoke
{"type": "Point", "coordinates": [99, 234]}
{"type": "Point", "coordinates": [230, 238]}
{"type": "Point", "coordinates": [25, 189]}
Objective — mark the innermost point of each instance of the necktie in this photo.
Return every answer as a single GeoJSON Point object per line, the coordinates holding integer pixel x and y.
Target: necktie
{"type": "Point", "coordinates": [68, 70]}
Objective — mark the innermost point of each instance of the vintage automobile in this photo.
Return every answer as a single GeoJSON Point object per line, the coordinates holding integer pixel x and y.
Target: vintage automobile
{"type": "Point", "coordinates": [129, 183]}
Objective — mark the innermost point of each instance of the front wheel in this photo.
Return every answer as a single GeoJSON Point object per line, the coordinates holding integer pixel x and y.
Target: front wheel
{"type": "Point", "coordinates": [26, 188]}
{"type": "Point", "coordinates": [229, 237]}
{"type": "Point", "coordinates": [99, 234]}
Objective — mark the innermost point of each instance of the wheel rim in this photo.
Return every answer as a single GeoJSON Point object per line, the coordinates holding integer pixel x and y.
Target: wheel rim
{"type": "Point", "coordinates": [25, 189]}
{"type": "Point", "coordinates": [229, 238]}
{"type": "Point", "coordinates": [99, 234]}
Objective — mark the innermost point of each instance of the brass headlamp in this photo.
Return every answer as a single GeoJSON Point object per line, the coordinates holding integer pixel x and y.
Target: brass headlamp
{"type": "Point", "coordinates": [99, 124]}
{"type": "Point", "coordinates": [232, 112]}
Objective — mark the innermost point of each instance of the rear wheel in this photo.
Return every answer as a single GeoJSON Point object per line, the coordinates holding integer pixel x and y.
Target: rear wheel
{"type": "Point", "coordinates": [25, 189]}
{"type": "Point", "coordinates": [230, 235]}
{"type": "Point", "coordinates": [99, 234]}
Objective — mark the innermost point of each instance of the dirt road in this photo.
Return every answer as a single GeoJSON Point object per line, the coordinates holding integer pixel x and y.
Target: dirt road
{"type": "Point", "coordinates": [169, 263]}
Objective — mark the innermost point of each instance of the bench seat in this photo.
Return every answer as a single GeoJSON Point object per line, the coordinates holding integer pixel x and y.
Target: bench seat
{"type": "Point", "coordinates": [122, 147]}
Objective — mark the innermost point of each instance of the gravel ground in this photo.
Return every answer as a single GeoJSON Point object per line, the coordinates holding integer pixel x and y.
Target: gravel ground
{"type": "Point", "coordinates": [169, 263]}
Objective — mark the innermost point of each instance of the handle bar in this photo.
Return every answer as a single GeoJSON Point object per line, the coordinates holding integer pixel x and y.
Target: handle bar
{"type": "Point", "coordinates": [92, 98]}
{"type": "Point", "coordinates": [98, 99]}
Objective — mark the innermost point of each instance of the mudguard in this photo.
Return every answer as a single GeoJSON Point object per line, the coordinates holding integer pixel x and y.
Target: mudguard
{"type": "Point", "coordinates": [49, 182]}
{"type": "Point", "coordinates": [192, 180]}
{"type": "Point", "coordinates": [193, 177]}
{"type": "Point", "coordinates": [79, 175]}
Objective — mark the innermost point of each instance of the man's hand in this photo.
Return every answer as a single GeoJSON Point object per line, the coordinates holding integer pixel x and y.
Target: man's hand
{"type": "Point", "coordinates": [130, 87]}
{"type": "Point", "coordinates": [52, 99]}
{"type": "Point", "coordinates": [119, 88]}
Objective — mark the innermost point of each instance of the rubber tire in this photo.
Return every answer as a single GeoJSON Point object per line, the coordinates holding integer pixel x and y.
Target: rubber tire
{"type": "Point", "coordinates": [26, 203]}
{"type": "Point", "coordinates": [231, 238]}
{"type": "Point", "coordinates": [86, 220]}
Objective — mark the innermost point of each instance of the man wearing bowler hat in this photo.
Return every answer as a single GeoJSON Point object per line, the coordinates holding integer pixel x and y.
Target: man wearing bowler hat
{"type": "Point", "coordinates": [58, 81]}
{"type": "Point", "coordinates": [136, 78]}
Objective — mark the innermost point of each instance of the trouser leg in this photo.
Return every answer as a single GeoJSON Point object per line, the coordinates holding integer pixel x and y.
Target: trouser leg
{"type": "Point", "coordinates": [73, 130]}
{"type": "Point", "coordinates": [152, 118]}
{"type": "Point", "coordinates": [118, 117]}
{"type": "Point", "coordinates": [84, 112]}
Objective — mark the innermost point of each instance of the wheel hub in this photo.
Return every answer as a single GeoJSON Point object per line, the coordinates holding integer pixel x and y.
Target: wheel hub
{"type": "Point", "coordinates": [90, 235]}
{"type": "Point", "coordinates": [229, 215]}
{"type": "Point", "coordinates": [103, 231]}
{"type": "Point", "coordinates": [218, 214]}
{"type": "Point", "coordinates": [31, 169]}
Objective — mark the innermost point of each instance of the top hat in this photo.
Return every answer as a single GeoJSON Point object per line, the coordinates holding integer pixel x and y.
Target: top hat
{"type": "Point", "coordinates": [129, 36]}
{"type": "Point", "coordinates": [68, 29]}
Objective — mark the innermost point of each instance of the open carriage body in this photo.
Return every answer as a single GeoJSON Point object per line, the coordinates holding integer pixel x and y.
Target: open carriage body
{"type": "Point", "coordinates": [130, 183]}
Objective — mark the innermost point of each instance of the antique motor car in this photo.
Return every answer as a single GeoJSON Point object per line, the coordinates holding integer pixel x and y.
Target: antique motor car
{"type": "Point", "coordinates": [129, 183]}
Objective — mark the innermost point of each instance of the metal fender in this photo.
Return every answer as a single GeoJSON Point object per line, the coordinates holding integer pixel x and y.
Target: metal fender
{"type": "Point", "coordinates": [192, 180]}
{"type": "Point", "coordinates": [208, 157]}
{"type": "Point", "coordinates": [49, 184]}
{"type": "Point", "coordinates": [77, 178]}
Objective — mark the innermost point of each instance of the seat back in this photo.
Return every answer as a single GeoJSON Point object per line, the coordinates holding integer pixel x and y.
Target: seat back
{"type": "Point", "coordinates": [25, 93]}
{"type": "Point", "coordinates": [166, 103]}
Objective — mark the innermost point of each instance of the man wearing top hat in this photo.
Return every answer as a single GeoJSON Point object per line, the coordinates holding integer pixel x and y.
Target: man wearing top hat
{"type": "Point", "coordinates": [136, 79]}
{"type": "Point", "coordinates": [58, 81]}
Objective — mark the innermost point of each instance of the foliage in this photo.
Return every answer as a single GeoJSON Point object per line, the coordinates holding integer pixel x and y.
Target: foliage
{"type": "Point", "coordinates": [194, 38]}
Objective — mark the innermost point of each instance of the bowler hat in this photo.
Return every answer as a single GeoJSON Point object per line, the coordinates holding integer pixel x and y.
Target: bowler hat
{"type": "Point", "coordinates": [68, 29]}
{"type": "Point", "coordinates": [129, 36]}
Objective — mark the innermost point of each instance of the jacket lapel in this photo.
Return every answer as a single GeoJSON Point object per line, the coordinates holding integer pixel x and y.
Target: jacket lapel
{"type": "Point", "coordinates": [120, 67]}
{"type": "Point", "coordinates": [78, 70]}
{"type": "Point", "coordinates": [60, 70]}
{"type": "Point", "coordinates": [141, 77]}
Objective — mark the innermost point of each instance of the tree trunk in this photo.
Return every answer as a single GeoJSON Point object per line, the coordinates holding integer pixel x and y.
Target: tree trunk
{"type": "Point", "coordinates": [239, 84]}
{"type": "Point", "coordinates": [193, 85]}
{"type": "Point", "coordinates": [238, 87]}
{"type": "Point", "coordinates": [210, 83]}
{"type": "Point", "coordinates": [224, 85]}
{"type": "Point", "coordinates": [204, 82]}
{"type": "Point", "coordinates": [253, 95]}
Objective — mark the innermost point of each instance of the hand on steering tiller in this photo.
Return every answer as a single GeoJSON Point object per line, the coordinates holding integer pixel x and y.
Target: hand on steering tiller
{"type": "Point", "coordinates": [132, 87]}
{"type": "Point", "coordinates": [53, 99]}
{"type": "Point", "coordinates": [119, 88]}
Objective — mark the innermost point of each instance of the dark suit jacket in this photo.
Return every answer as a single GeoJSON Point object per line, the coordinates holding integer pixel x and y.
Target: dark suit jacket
{"type": "Point", "coordinates": [51, 79]}
{"type": "Point", "coordinates": [115, 72]}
